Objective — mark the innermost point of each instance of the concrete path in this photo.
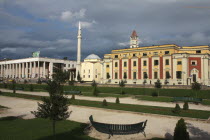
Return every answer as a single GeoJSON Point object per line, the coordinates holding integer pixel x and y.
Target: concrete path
{"type": "Point", "coordinates": [124, 100]}
{"type": "Point", "coordinates": [157, 126]}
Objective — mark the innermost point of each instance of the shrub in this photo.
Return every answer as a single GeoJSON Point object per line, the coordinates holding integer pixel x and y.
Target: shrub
{"type": "Point", "coordinates": [31, 87]}
{"type": "Point", "coordinates": [14, 86]}
{"type": "Point", "coordinates": [185, 106]}
{"type": "Point", "coordinates": [5, 85]}
{"type": "Point", "coordinates": [104, 103]}
{"type": "Point", "coordinates": [177, 109]}
{"type": "Point", "coordinates": [94, 84]}
{"type": "Point", "coordinates": [95, 92]}
{"type": "Point", "coordinates": [25, 81]}
{"type": "Point", "coordinates": [0, 92]}
{"type": "Point", "coordinates": [73, 97]}
{"type": "Point", "coordinates": [39, 81]}
{"type": "Point", "coordinates": [154, 94]}
{"type": "Point", "coordinates": [117, 100]}
{"type": "Point", "coordinates": [180, 131]}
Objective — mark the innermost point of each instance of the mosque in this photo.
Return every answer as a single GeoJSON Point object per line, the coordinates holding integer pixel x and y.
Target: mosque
{"type": "Point", "coordinates": [171, 64]}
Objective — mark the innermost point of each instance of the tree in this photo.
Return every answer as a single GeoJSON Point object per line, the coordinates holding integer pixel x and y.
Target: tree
{"type": "Point", "coordinates": [78, 77]}
{"type": "Point", "coordinates": [94, 84]}
{"type": "Point", "coordinates": [180, 131]}
{"type": "Point", "coordinates": [117, 100]}
{"type": "Point", "coordinates": [177, 109]}
{"type": "Point", "coordinates": [122, 84]}
{"type": "Point", "coordinates": [61, 76]}
{"type": "Point", "coordinates": [196, 87]}
{"type": "Point", "coordinates": [95, 92]}
{"type": "Point", "coordinates": [158, 85]}
{"type": "Point", "coordinates": [14, 86]}
{"type": "Point", "coordinates": [54, 107]}
{"type": "Point", "coordinates": [104, 103]}
{"type": "Point", "coordinates": [185, 106]}
{"type": "Point", "coordinates": [39, 81]}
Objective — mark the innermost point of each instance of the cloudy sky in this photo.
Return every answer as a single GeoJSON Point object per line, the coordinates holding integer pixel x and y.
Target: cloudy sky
{"type": "Point", "coordinates": [50, 26]}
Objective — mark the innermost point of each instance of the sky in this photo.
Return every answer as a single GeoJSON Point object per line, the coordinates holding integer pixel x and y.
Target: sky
{"type": "Point", "coordinates": [50, 26]}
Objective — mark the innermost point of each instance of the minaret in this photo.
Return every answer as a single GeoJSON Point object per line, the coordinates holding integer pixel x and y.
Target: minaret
{"type": "Point", "coordinates": [79, 40]}
{"type": "Point", "coordinates": [134, 40]}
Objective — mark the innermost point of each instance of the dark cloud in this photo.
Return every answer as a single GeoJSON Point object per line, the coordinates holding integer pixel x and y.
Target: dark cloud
{"type": "Point", "coordinates": [50, 25]}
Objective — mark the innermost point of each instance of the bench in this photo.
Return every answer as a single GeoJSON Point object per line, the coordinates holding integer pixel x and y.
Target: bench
{"type": "Point", "coordinates": [187, 99]}
{"type": "Point", "coordinates": [119, 129]}
{"type": "Point", "coordinates": [73, 92]}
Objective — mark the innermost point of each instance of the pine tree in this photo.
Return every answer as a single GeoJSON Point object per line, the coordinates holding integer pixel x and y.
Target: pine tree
{"type": "Point", "coordinates": [122, 84]}
{"type": "Point", "coordinates": [14, 86]}
{"type": "Point", "coordinates": [55, 107]}
{"type": "Point", "coordinates": [185, 106]}
{"type": "Point", "coordinates": [117, 100]}
{"type": "Point", "coordinates": [177, 109]}
{"type": "Point", "coordinates": [158, 85]}
{"type": "Point", "coordinates": [78, 77]}
{"type": "Point", "coordinates": [104, 103]}
{"type": "Point", "coordinates": [196, 87]}
{"type": "Point", "coordinates": [180, 132]}
{"type": "Point", "coordinates": [95, 92]}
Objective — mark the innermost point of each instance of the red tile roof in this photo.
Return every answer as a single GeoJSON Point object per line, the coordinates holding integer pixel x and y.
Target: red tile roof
{"type": "Point", "coordinates": [134, 34]}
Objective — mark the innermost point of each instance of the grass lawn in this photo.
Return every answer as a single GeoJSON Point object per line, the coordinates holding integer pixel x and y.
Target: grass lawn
{"type": "Point", "coordinates": [104, 95]}
{"type": "Point", "coordinates": [157, 99]}
{"type": "Point", "coordinates": [127, 107]}
{"type": "Point", "coordinates": [13, 128]}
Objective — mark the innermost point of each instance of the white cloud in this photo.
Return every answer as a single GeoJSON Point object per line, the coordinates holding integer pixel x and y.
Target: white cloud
{"type": "Point", "coordinates": [86, 24]}
{"type": "Point", "coordinates": [8, 49]}
{"type": "Point", "coordinates": [68, 15]}
{"type": "Point", "coordinates": [123, 44]}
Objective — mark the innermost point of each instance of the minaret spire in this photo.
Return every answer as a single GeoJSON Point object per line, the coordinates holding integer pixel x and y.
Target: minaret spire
{"type": "Point", "coordinates": [134, 40]}
{"type": "Point", "coordinates": [79, 40]}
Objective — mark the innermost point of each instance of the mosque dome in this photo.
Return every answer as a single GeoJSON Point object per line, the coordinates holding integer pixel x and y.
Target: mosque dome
{"type": "Point", "coordinates": [92, 56]}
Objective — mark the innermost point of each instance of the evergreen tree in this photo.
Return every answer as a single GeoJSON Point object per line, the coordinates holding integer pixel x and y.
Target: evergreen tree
{"type": "Point", "coordinates": [196, 87]}
{"type": "Point", "coordinates": [158, 85]}
{"type": "Point", "coordinates": [61, 76]}
{"type": "Point", "coordinates": [104, 103]}
{"type": "Point", "coordinates": [54, 107]}
{"type": "Point", "coordinates": [185, 106]}
{"type": "Point", "coordinates": [180, 132]}
{"type": "Point", "coordinates": [78, 77]}
{"type": "Point", "coordinates": [177, 109]}
{"type": "Point", "coordinates": [95, 92]}
{"type": "Point", "coordinates": [14, 86]}
{"type": "Point", "coordinates": [117, 100]}
{"type": "Point", "coordinates": [39, 81]}
{"type": "Point", "coordinates": [122, 84]}
{"type": "Point", "coordinates": [94, 84]}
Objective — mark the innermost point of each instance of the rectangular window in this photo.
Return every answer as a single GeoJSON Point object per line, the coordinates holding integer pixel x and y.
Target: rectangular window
{"type": "Point", "coordinates": [69, 65]}
{"type": "Point", "coordinates": [96, 76]}
{"type": "Point", "coordinates": [125, 64]}
{"type": "Point", "coordinates": [145, 75]}
{"type": "Point", "coordinates": [179, 62]}
{"type": "Point", "coordinates": [125, 75]}
{"type": "Point", "coordinates": [83, 76]}
{"type": "Point", "coordinates": [88, 76]}
{"type": "Point", "coordinates": [134, 54]}
{"type": "Point", "coordinates": [155, 62]}
{"type": "Point", "coordinates": [198, 51]}
{"type": "Point", "coordinates": [134, 63]}
{"type": "Point", "coordinates": [145, 63]}
{"type": "Point", "coordinates": [116, 56]}
{"type": "Point", "coordinates": [84, 71]}
{"type": "Point", "coordinates": [116, 65]}
{"type": "Point", "coordinates": [155, 53]}
{"type": "Point", "coordinates": [167, 61]}
{"type": "Point", "coordinates": [107, 75]}
{"type": "Point", "coordinates": [167, 52]}
{"type": "Point", "coordinates": [134, 75]}
{"type": "Point", "coordinates": [193, 63]}
{"type": "Point", "coordinates": [179, 74]}
{"type": "Point", "coordinates": [144, 54]}
{"type": "Point", "coordinates": [107, 66]}
{"type": "Point", "coordinates": [116, 75]}
{"type": "Point", "coordinates": [155, 75]}
{"type": "Point", "coordinates": [167, 75]}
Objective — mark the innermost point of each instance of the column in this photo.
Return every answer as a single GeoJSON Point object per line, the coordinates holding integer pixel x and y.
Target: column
{"type": "Point", "coordinates": [34, 73]}
{"type": "Point", "coordinates": [16, 69]}
{"type": "Point", "coordinates": [30, 71]}
{"type": "Point", "coordinates": [44, 75]}
{"type": "Point", "coordinates": [19, 71]}
{"type": "Point", "coordinates": [13, 70]}
{"type": "Point", "coordinates": [9, 70]}
{"type": "Point", "coordinates": [1, 70]}
{"type": "Point", "coordinates": [38, 70]}
{"type": "Point", "coordinates": [51, 70]}
{"type": "Point", "coordinates": [22, 70]}
{"type": "Point", "coordinates": [26, 72]}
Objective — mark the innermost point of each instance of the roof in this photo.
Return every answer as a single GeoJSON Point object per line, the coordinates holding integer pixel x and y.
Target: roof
{"type": "Point", "coordinates": [92, 56]}
{"type": "Point", "coordinates": [134, 34]}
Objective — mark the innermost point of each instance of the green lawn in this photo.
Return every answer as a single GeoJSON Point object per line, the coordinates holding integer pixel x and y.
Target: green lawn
{"type": "Point", "coordinates": [13, 128]}
{"type": "Point", "coordinates": [157, 99]}
{"type": "Point", "coordinates": [127, 107]}
{"type": "Point", "coordinates": [104, 95]}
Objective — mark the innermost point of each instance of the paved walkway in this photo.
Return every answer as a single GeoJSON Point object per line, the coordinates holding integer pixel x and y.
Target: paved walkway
{"type": "Point", "coordinates": [157, 126]}
{"type": "Point", "coordinates": [124, 100]}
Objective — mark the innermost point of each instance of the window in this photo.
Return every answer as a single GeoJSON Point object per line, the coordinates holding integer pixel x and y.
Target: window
{"type": "Point", "coordinates": [155, 75]}
{"type": "Point", "coordinates": [134, 54]}
{"type": "Point", "coordinates": [96, 76]}
{"type": "Point", "coordinates": [134, 63]}
{"type": "Point", "coordinates": [116, 65]}
{"type": "Point", "coordinates": [145, 75]}
{"type": "Point", "coordinates": [145, 63]}
{"type": "Point", "coordinates": [83, 76]}
{"type": "Point", "coordinates": [89, 71]}
{"type": "Point", "coordinates": [167, 52]}
{"type": "Point", "coordinates": [107, 66]}
{"type": "Point", "coordinates": [125, 64]}
{"type": "Point", "coordinates": [179, 62]}
{"type": "Point", "coordinates": [193, 63]}
{"type": "Point", "coordinates": [167, 62]}
{"type": "Point", "coordinates": [88, 76]}
{"type": "Point", "coordinates": [107, 75]}
{"type": "Point", "coordinates": [198, 51]}
{"type": "Point", "coordinates": [116, 75]}
{"type": "Point", "coordinates": [124, 55]}
{"type": "Point", "coordinates": [84, 71]}
{"type": "Point", "coordinates": [116, 56]}
{"type": "Point", "coordinates": [69, 65]}
{"type": "Point", "coordinates": [144, 54]}
{"type": "Point", "coordinates": [155, 62]}
{"type": "Point", "coordinates": [64, 65]}
{"type": "Point", "coordinates": [155, 53]}
{"type": "Point", "coordinates": [125, 75]}
{"type": "Point", "coordinates": [179, 74]}
{"type": "Point", "coordinates": [72, 65]}
{"type": "Point", "coordinates": [167, 75]}
{"type": "Point", "coordinates": [134, 75]}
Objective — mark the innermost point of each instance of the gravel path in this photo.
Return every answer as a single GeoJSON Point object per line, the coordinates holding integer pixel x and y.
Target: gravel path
{"type": "Point", "coordinates": [157, 126]}
{"type": "Point", "coordinates": [126, 100]}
